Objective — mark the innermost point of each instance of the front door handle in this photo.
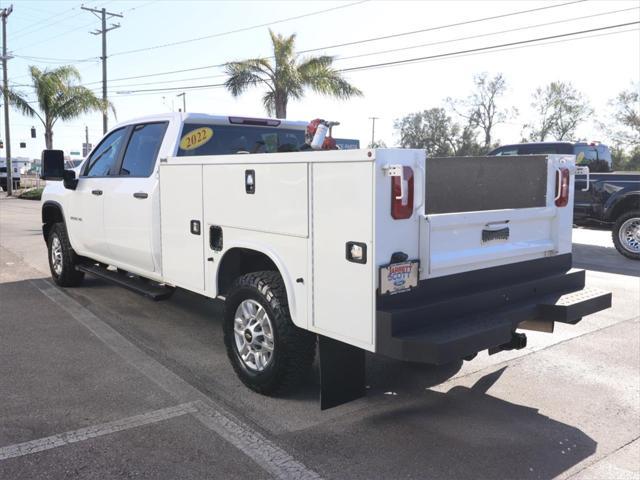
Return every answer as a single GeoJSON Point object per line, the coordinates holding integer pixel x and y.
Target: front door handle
{"type": "Point", "coordinates": [140, 195]}
{"type": "Point", "coordinates": [96, 192]}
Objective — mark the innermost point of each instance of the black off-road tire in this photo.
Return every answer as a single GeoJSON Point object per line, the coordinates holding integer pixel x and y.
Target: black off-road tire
{"type": "Point", "coordinates": [69, 276]}
{"type": "Point", "coordinates": [294, 348]}
{"type": "Point", "coordinates": [615, 234]}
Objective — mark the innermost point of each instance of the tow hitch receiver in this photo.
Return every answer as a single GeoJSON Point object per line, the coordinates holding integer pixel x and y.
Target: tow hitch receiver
{"type": "Point", "coordinates": [518, 341]}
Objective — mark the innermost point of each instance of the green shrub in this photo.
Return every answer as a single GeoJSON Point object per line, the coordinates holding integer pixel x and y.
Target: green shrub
{"type": "Point", "coordinates": [32, 194]}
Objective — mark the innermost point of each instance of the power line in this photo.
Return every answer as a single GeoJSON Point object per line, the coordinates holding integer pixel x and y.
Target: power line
{"type": "Point", "coordinates": [334, 46]}
{"type": "Point", "coordinates": [491, 47]}
{"type": "Point", "coordinates": [467, 22]}
{"type": "Point", "coordinates": [415, 60]}
{"type": "Point", "coordinates": [238, 30]}
{"type": "Point", "coordinates": [342, 58]}
{"type": "Point", "coordinates": [453, 55]}
{"type": "Point", "coordinates": [161, 73]}
{"type": "Point", "coordinates": [528, 27]}
{"type": "Point", "coordinates": [56, 60]}
{"type": "Point", "coordinates": [48, 39]}
{"type": "Point", "coordinates": [18, 33]}
{"type": "Point", "coordinates": [441, 27]}
{"type": "Point", "coordinates": [30, 31]}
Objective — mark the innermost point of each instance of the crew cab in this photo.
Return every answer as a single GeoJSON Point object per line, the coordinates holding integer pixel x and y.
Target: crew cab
{"type": "Point", "coordinates": [367, 250]}
{"type": "Point", "coordinates": [601, 196]}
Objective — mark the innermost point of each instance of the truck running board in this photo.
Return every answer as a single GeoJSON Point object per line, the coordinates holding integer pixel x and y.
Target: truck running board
{"type": "Point", "coordinates": [149, 289]}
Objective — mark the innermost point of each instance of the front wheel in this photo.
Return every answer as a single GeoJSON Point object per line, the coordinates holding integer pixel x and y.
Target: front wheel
{"type": "Point", "coordinates": [267, 351]}
{"type": "Point", "coordinates": [62, 258]}
{"type": "Point", "coordinates": [626, 234]}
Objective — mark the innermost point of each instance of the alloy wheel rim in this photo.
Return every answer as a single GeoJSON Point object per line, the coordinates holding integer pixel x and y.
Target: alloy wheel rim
{"type": "Point", "coordinates": [253, 333]}
{"type": "Point", "coordinates": [56, 255]}
{"type": "Point", "coordinates": [629, 235]}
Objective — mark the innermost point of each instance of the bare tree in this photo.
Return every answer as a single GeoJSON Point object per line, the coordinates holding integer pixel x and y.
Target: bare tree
{"type": "Point", "coordinates": [560, 109]}
{"type": "Point", "coordinates": [481, 109]}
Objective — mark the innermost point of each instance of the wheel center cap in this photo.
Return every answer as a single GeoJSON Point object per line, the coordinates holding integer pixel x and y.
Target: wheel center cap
{"type": "Point", "coordinates": [248, 336]}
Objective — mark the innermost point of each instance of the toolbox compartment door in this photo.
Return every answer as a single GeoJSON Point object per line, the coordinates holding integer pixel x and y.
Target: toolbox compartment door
{"type": "Point", "coordinates": [343, 290]}
{"type": "Point", "coordinates": [182, 242]}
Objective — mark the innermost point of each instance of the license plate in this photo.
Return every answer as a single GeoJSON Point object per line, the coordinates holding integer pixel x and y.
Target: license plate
{"type": "Point", "coordinates": [399, 277]}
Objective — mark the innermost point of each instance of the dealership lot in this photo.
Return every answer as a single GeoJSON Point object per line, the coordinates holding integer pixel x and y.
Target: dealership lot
{"type": "Point", "coordinates": [97, 382]}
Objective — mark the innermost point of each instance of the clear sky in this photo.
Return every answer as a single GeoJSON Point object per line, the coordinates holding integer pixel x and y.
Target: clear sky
{"type": "Point", "coordinates": [49, 33]}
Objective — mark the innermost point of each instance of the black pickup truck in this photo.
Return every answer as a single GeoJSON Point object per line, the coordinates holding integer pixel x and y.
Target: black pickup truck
{"type": "Point", "coordinates": [611, 198]}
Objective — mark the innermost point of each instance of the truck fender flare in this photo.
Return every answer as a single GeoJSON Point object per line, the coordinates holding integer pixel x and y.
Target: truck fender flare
{"type": "Point", "coordinates": [280, 265]}
{"type": "Point", "coordinates": [611, 206]}
{"type": "Point", "coordinates": [46, 223]}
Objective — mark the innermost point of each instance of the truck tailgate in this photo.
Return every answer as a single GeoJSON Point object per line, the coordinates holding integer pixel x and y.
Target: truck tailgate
{"type": "Point", "coordinates": [486, 211]}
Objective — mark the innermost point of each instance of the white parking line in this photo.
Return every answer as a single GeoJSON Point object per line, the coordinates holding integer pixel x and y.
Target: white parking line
{"type": "Point", "coordinates": [261, 450]}
{"type": "Point", "coordinates": [55, 441]}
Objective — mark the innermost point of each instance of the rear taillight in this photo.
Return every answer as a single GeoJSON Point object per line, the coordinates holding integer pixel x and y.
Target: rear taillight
{"type": "Point", "coordinates": [402, 194]}
{"type": "Point", "coordinates": [562, 187]}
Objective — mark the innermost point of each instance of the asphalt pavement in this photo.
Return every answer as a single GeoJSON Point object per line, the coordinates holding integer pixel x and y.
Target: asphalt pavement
{"type": "Point", "coordinates": [98, 382]}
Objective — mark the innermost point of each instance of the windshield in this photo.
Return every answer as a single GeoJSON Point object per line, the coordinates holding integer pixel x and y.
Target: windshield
{"type": "Point", "coordinates": [203, 139]}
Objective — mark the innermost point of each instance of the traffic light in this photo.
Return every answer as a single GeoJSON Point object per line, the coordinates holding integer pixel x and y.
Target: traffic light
{"type": "Point", "coordinates": [1, 143]}
{"type": "Point", "coordinates": [33, 132]}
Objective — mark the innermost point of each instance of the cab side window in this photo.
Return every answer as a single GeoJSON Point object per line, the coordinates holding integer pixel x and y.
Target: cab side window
{"type": "Point", "coordinates": [105, 156]}
{"type": "Point", "coordinates": [142, 149]}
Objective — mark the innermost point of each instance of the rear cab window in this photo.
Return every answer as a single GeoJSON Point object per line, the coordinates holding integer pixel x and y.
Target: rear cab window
{"type": "Point", "coordinates": [596, 157]}
{"type": "Point", "coordinates": [208, 139]}
{"type": "Point", "coordinates": [505, 151]}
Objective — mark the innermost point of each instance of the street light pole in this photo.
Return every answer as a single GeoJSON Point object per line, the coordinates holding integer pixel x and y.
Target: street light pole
{"type": "Point", "coordinates": [184, 100]}
{"type": "Point", "coordinates": [373, 129]}
{"type": "Point", "coordinates": [5, 12]}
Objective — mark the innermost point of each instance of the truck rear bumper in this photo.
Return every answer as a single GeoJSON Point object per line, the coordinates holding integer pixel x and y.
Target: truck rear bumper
{"type": "Point", "coordinates": [450, 318]}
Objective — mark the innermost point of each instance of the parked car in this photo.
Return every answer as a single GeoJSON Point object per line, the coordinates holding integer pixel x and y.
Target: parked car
{"type": "Point", "coordinates": [596, 155]}
{"type": "Point", "coordinates": [602, 197]}
{"type": "Point", "coordinates": [15, 177]}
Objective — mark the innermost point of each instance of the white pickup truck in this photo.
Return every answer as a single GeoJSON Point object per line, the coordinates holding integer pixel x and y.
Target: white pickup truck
{"type": "Point", "coordinates": [382, 250]}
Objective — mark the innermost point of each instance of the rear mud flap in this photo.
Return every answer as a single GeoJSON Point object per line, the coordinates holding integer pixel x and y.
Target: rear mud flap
{"type": "Point", "coordinates": [342, 372]}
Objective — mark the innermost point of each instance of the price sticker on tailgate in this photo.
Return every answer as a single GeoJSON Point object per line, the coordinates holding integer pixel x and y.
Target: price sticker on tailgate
{"type": "Point", "coordinates": [399, 277]}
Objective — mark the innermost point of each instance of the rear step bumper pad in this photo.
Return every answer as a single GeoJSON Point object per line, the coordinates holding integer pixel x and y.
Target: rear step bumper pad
{"type": "Point", "coordinates": [451, 329]}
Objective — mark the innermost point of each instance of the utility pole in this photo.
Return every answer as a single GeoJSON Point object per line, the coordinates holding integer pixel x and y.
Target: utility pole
{"type": "Point", "coordinates": [86, 135]}
{"type": "Point", "coordinates": [184, 100]}
{"type": "Point", "coordinates": [5, 12]}
{"type": "Point", "coordinates": [103, 15]}
{"type": "Point", "coordinates": [373, 129]}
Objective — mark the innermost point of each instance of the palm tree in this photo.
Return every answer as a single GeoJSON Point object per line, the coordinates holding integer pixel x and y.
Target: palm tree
{"type": "Point", "coordinates": [287, 76]}
{"type": "Point", "coordinates": [58, 98]}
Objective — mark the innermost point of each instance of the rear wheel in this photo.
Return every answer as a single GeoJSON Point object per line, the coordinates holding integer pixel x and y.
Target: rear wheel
{"type": "Point", "coordinates": [62, 258]}
{"type": "Point", "coordinates": [268, 352]}
{"type": "Point", "coordinates": [626, 234]}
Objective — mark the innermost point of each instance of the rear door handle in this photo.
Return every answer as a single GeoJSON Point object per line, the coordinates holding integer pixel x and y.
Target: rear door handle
{"type": "Point", "coordinates": [140, 195]}
{"type": "Point", "coordinates": [96, 192]}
